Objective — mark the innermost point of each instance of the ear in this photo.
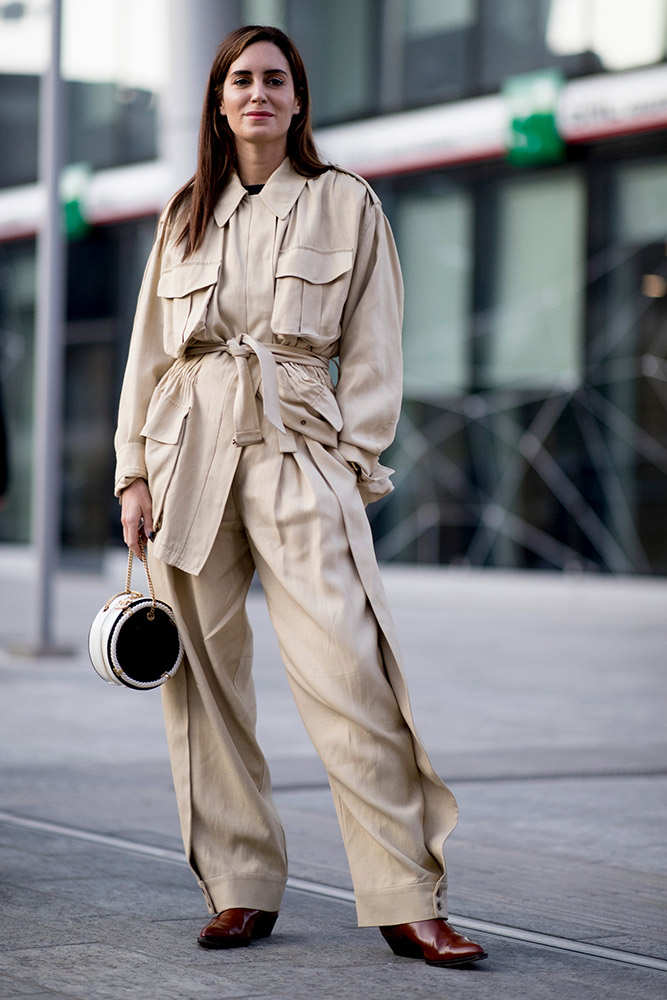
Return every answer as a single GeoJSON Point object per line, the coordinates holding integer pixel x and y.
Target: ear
{"type": "Point", "coordinates": [297, 106]}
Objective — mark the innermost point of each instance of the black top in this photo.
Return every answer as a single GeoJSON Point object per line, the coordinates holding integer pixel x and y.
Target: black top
{"type": "Point", "coordinates": [253, 188]}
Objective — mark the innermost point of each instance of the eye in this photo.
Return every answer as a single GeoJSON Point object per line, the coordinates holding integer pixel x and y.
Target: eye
{"type": "Point", "coordinates": [276, 81]}
{"type": "Point", "coordinates": [240, 81]}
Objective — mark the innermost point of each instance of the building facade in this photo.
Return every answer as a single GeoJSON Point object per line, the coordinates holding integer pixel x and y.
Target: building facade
{"type": "Point", "coordinates": [519, 148]}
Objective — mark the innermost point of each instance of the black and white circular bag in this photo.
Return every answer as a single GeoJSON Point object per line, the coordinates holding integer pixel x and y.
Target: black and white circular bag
{"type": "Point", "coordinates": [134, 640]}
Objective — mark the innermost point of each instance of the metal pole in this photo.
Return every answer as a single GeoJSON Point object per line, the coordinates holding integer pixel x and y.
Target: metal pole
{"type": "Point", "coordinates": [49, 344]}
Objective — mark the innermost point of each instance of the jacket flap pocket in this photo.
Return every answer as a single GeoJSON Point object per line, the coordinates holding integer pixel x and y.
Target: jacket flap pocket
{"type": "Point", "coordinates": [165, 420]}
{"type": "Point", "coordinates": [327, 407]}
{"type": "Point", "coordinates": [183, 279]}
{"type": "Point", "coordinates": [302, 386]}
{"type": "Point", "coordinates": [316, 266]}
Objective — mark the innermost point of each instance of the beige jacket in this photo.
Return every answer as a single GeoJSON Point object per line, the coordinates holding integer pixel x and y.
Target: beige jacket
{"type": "Point", "coordinates": [338, 295]}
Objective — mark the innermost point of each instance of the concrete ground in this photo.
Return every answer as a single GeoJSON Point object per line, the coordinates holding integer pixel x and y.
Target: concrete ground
{"type": "Point", "coordinates": [542, 700]}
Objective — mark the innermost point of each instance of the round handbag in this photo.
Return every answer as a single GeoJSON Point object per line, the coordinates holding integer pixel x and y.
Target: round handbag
{"type": "Point", "coordinates": [134, 640]}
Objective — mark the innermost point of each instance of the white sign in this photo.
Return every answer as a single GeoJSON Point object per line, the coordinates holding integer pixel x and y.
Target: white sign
{"type": "Point", "coordinates": [466, 131]}
{"type": "Point", "coordinates": [601, 106]}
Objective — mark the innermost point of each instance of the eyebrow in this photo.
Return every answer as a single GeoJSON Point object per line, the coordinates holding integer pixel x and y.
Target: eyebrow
{"type": "Point", "coordinates": [267, 72]}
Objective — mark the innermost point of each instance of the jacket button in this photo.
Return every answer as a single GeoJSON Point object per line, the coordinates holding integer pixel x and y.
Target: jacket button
{"type": "Point", "coordinates": [303, 422]}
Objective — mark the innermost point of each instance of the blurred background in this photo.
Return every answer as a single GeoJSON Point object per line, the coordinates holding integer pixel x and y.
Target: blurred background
{"type": "Point", "coordinates": [519, 148]}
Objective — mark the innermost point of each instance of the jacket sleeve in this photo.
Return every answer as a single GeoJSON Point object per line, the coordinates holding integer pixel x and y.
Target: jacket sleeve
{"type": "Point", "coordinates": [146, 364]}
{"type": "Point", "coordinates": [371, 373]}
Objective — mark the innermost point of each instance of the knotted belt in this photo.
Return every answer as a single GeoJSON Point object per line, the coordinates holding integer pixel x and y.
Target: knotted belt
{"type": "Point", "coordinates": [246, 421]}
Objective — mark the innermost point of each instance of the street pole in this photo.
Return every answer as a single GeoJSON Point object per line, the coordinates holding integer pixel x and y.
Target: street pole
{"type": "Point", "coordinates": [49, 345]}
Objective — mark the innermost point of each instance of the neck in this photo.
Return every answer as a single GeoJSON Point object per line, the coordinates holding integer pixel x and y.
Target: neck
{"type": "Point", "coordinates": [255, 163]}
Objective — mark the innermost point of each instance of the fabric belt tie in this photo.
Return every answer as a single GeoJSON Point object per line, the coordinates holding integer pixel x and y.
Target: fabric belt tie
{"type": "Point", "coordinates": [246, 421]}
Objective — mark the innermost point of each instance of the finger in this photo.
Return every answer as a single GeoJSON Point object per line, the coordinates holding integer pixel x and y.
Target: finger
{"type": "Point", "coordinates": [136, 516]}
{"type": "Point", "coordinates": [131, 531]}
{"type": "Point", "coordinates": [139, 538]}
{"type": "Point", "coordinates": [132, 540]}
{"type": "Point", "coordinates": [144, 536]}
{"type": "Point", "coordinates": [147, 511]}
{"type": "Point", "coordinates": [148, 520]}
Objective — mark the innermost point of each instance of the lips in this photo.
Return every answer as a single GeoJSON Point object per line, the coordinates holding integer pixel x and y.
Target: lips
{"type": "Point", "coordinates": [259, 114]}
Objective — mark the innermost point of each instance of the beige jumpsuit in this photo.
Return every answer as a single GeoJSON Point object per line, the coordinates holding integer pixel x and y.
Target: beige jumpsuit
{"type": "Point", "coordinates": [255, 462]}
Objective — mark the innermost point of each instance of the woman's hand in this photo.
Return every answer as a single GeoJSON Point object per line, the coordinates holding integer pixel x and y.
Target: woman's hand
{"type": "Point", "coordinates": [137, 515]}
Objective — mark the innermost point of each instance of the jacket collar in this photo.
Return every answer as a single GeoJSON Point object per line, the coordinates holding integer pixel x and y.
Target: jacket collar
{"type": "Point", "coordinates": [279, 194]}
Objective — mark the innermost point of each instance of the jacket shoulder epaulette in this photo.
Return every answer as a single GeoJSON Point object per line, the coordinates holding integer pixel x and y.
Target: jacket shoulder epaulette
{"type": "Point", "coordinates": [357, 177]}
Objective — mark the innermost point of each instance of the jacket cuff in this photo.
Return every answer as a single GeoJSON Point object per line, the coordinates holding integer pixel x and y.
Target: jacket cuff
{"type": "Point", "coordinates": [372, 478]}
{"type": "Point", "coordinates": [130, 465]}
{"type": "Point", "coordinates": [363, 460]}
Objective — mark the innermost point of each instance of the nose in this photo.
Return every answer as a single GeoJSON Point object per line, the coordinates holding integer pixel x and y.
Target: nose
{"type": "Point", "coordinates": [258, 95]}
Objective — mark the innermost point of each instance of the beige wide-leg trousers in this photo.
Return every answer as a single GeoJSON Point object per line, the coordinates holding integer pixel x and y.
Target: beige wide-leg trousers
{"type": "Point", "coordinates": [283, 518]}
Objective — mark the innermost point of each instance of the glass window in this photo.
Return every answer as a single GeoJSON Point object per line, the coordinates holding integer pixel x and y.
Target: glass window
{"type": "Point", "coordinates": [427, 17]}
{"type": "Point", "coordinates": [534, 325]}
{"type": "Point", "coordinates": [107, 127]}
{"type": "Point", "coordinates": [575, 36]}
{"type": "Point", "coordinates": [110, 126]}
{"type": "Point", "coordinates": [642, 203]}
{"type": "Point", "coordinates": [19, 100]}
{"type": "Point", "coordinates": [433, 233]}
{"type": "Point", "coordinates": [265, 12]}
{"type": "Point", "coordinates": [620, 34]}
{"type": "Point", "coordinates": [337, 42]}
{"type": "Point", "coordinates": [17, 320]}
{"type": "Point", "coordinates": [627, 372]}
{"type": "Point", "coordinates": [513, 39]}
{"type": "Point", "coordinates": [436, 61]}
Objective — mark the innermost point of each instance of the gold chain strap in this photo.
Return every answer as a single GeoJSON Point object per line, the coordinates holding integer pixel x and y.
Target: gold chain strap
{"type": "Point", "coordinates": [128, 582]}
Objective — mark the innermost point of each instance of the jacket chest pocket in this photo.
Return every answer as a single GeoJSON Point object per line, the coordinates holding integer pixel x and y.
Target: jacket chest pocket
{"type": "Point", "coordinates": [186, 291]}
{"type": "Point", "coordinates": [311, 289]}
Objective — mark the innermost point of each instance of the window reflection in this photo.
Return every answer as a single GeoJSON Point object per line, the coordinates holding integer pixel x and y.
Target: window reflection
{"type": "Point", "coordinates": [437, 56]}
{"type": "Point", "coordinates": [337, 42]}
{"type": "Point", "coordinates": [621, 34]}
{"type": "Point", "coordinates": [512, 39]}
{"type": "Point", "coordinates": [534, 325]}
{"type": "Point", "coordinates": [17, 320]}
{"type": "Point", "coordinates": [433, 233]}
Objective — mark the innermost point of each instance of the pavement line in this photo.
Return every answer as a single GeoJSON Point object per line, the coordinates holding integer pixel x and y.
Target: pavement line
{"type": "Point", "coordinates": [74, 833]}
{"type": "Point", "coordinates": [341, 895]}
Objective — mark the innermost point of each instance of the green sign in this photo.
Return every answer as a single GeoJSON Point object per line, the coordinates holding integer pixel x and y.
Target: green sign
{"type": "Point", "coordinates": [532, 135]}
{"type": "Point", "coordinates": [74, 182]}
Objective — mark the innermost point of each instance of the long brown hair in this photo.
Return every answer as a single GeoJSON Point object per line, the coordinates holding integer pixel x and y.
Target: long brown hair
{"type": "Point", "coordinates": [216, 155]}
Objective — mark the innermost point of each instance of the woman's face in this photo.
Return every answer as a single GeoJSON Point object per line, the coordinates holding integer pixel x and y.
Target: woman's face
{"type": "Point", "coordinates": [258, 96]}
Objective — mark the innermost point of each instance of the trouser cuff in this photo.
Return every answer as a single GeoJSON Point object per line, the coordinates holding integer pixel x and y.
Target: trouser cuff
{"type": "Point", "coordinates": [402, 904]}
{"type": "Point", "coordinates": [251, 892]}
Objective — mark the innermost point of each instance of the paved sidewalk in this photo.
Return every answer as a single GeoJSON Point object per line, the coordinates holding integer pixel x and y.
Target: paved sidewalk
{"type": "Point", "coordinates": [542, 700]}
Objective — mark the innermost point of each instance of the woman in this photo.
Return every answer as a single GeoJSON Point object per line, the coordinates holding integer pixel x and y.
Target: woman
{"type": "Point", "coordinates": [235, 453]}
